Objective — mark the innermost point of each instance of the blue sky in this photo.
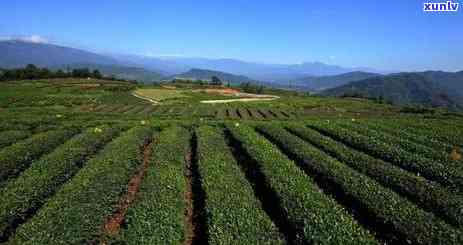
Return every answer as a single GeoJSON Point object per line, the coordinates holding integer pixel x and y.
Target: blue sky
{"type": "Point", "coordinates": [391, 35]}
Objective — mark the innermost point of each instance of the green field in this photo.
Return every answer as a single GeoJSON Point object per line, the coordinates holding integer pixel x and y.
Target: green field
{"type": "Point", "coordinates": [159, 94]}
{"type": "Point", "coordinates": [83, 161]}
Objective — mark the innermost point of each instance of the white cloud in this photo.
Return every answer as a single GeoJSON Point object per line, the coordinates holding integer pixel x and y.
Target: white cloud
{"type": "Point", "coordinates": [31, 38]}
{"type": "Point", "coordinates": [34, 39]}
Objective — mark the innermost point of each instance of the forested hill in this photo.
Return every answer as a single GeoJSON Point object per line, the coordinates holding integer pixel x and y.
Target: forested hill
{"type": "Point", "coordinates": [402, 89]}
{"type": "Point", "coordinates": [202, 74]}
{"type": "Point", "coordinates": [318, 83]}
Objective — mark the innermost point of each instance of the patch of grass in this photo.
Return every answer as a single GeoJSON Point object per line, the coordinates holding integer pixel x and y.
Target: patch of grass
{"type": "Point", "coordinates": [159, 94]}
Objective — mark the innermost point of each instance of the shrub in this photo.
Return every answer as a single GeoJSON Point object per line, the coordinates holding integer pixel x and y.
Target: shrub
{"type": "Point", "coordinates": [17, 157]}
{"type": "Point", "coordinates": [427, 194]}
{"type": "Point", "coordinates": [235, 214]}
{"type": "Point", "coordinates": [31, 189]}
{"type": "Point", "coordinates": [319, 219]}
{"type": "Point", "coordinates": [84, 203]}
{"type": "Point", "coordinates": [12, 136]}
{"type": "Point", "coordinates": [375, 146]}
{"type": "Point", "coordinates": [386, 207]}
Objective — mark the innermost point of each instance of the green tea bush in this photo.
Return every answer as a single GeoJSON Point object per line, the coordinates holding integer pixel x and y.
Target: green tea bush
{"type": "Point", "coordinates": [88, 199]}
{"type": "Point", "coordinates": [320, 219]}
{"type": "Point", "coordinates": [388, 208]}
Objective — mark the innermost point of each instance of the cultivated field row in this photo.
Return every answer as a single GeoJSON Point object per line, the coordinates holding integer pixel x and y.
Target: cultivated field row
{"type": "Point", "coordinates": [324, 182]}
{"type": "Point", "coordinates": [223, 113]}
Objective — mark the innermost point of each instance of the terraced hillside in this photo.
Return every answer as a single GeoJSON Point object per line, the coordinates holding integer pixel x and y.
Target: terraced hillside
{"type": "Point", "coordinates": [250, 173]}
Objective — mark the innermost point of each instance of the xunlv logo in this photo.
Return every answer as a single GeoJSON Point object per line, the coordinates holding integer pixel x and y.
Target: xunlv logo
{"type": "Point", "coordinates": [448, 6]}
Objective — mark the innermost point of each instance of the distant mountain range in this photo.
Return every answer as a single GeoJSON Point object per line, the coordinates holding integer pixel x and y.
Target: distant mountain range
{"type": "Point", "coordinates": [16, 53]}
{"type": "Point", "coordinates": [314, 83]}
{"type": "Point", "coordinates": [452, 81]}
{"type": "Point", "coordinates": [119, 71]}
{"type": "Point", "coordinates": [431, 88]}
{"type": "Point", "coordinates": [257, 71]}
{"type": "Point", "coordinates": [202, 74]}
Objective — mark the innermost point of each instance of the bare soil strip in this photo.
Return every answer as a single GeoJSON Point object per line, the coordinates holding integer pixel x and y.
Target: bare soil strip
{"type": "Point", "coordinates": [145, 98]}
{"type": "Point", "coordinates": [195, 214]}
{"type": "Point", "coordinates": [110, 109]}
{"type": "Point", "coordinates": [113, 224]}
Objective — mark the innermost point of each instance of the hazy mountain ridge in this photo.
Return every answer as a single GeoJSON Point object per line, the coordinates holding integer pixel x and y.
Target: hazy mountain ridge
{"type": "Point", "coordinates": [19, 53]}
{"type": "Point", "coordinates": [452, 81]}
{"type": "Point", "coordinates": [258, 71]}
{"type": "Point", "coordinates": [122, 72]}
{"type": "Point", "coordinates": [415, 88]}
{"type": "Point", "coordinates": [16, 53]}
{"type": "Point", "coordinates": [318, 83]}
{"type": "Point", "coordinates": [203, 74]}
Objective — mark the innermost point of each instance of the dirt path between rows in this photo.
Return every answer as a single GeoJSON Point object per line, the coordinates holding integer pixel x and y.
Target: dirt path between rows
{"type": "Point", "coordinates": [113, 224]}
{"type": "Point", "coordinates": [195, 216]}
{"type": "Point", "coordinates": [145, 98]}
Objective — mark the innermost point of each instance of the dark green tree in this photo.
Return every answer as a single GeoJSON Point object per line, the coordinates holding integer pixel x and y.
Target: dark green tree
{"type": "Point", "coordinates": [31, 67]}
{"type": "Point", "coordinates": [60, 74]}
{"type": "Point", "coordinates": [215, 81]}
{"type": "Point", "coordinates": [30, 72]}
{"type": "Point", "coordinates": [44, 73]}
{"type": "Point", "coordinates": [85, 72]}
{"type": "Point", "coordinates": [96, 74]}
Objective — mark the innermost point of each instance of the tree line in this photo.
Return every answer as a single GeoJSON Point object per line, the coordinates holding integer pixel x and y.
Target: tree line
{"type": "Point", "coordinates": [252, 88]}
{"type": "Point", "coordinates": [247, 87]}
{"type": "Point", "coordinates": [33, 72]}
{"type": "Point", "coordinates": [214, 81]}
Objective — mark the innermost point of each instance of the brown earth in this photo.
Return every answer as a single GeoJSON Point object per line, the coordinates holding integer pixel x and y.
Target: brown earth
{"type": "Point", "coordinates": [455, 155]}
{"type": "Point", "coordinates": [113, 224]}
